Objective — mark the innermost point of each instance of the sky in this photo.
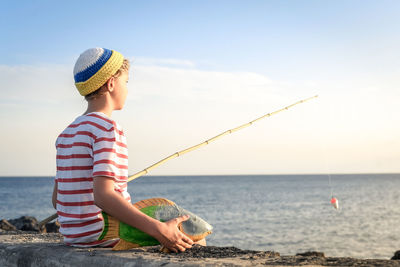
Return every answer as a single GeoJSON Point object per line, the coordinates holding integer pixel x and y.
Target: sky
{"type": "Point", "coordinates": [203, 67]}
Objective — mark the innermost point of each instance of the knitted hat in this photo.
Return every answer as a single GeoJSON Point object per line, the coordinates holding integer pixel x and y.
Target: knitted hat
{"type": "Point", "coordinates": [94, 67]}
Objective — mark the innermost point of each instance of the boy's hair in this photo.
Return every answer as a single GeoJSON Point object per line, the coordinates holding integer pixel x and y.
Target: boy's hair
{"type": "Point", "coordinates": [95, 67]}
{"type": "Point", "coordinates": [99, 92]}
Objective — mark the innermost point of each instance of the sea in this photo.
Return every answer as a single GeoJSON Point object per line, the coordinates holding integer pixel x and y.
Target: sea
{"type": "Point", "coordinates": [288, 214]}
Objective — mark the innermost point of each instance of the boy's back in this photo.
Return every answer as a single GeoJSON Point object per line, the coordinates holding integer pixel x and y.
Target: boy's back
{"type": "Point", "coordinates": [93, 145]}
{"type": "Point", "coordinates": [92, 161]}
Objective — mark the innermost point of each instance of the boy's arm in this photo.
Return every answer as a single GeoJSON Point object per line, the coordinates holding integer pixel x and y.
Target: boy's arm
{"type": "Point", "coordinates": [114, 204]}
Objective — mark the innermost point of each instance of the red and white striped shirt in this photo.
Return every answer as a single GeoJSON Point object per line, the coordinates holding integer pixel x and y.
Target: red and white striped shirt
{"type": "Point", "coordinates": [93, 145]}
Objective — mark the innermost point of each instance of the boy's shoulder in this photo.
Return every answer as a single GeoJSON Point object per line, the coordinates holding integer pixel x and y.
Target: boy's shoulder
{"type": "Point", "coordinates": [95, 122]}
{"type": "Point", "coordinates": [95, 126]}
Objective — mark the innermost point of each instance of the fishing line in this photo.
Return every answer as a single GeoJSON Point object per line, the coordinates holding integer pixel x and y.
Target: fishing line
{"type": "Point", "coordinates": [330, 184]}
{"type": "Point", "coordinates": [333, 200]}
{"type": "Point", "coordinates": [327, 169]}
{"type": "Point", "coordinates": [329, 179]}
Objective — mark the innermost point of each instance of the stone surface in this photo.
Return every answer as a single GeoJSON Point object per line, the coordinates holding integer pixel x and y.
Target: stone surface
{"type": "Point", "coordinates": [34, 249]}
{"type": "Point", "coordinates": [396, 255]}
{"type": "Point", "coordinates": [311, 254]}
{"type": "Point", "coordinates": [52, 227]}
{"type": "Point", "coordinates": [28, 223]}
{"type": "Point", "coordinates": [7, 226]}
{"type": "Point", "coordinates": [25, 223]}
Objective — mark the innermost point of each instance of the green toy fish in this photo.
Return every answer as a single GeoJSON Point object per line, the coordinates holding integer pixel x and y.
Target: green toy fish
{"type": "Point", "coordinates": [158, 208]}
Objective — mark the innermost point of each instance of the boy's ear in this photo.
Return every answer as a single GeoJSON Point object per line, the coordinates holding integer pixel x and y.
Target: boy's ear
{"type": "Point", "coordinates": [111, 84]}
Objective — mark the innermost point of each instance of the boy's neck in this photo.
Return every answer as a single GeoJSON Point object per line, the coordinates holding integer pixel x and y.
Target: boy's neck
{"type": "Point", "coordinates": [99, 105]}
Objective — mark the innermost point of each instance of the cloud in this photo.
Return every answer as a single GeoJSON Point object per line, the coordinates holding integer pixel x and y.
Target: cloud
{"type": "Point", "coordinates": [35, 84]}
{"type": "Point", "coordinates": [190, 86]}
{"type": "Point", "coordinates": [173, 107]}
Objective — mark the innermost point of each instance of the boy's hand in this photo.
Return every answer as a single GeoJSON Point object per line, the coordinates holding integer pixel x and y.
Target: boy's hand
{"type": "Point", "coordinates": [114, 204]}
{"type": "Point", "coordinates": [172, 238]}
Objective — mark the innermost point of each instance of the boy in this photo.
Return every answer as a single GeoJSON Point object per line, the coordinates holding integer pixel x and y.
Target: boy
{"type": "Point", "coordinates": [92, 159]}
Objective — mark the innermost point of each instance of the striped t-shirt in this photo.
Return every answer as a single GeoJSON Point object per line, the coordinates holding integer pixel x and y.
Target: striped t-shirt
{"type": "Point", "coordinates": [93, 145]}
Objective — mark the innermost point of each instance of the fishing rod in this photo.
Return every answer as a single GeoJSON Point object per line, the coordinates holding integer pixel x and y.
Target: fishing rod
{"type": "Point", "coordinates": [177, 154]}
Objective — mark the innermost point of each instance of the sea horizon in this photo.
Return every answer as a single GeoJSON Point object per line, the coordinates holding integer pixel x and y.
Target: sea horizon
{"type": "Point", "coordinates": [189, 175]}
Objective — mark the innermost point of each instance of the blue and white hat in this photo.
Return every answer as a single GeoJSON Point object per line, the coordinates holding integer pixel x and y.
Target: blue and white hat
{"type": "Point", "coordinates": [94, 67]}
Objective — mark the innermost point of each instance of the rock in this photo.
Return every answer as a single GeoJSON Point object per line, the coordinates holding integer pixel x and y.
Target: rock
{"type": "Point", "coordinates": [52, 227]}
{"type": "Point", "coordinates": [25, 223]}
{"type": "Point", "coordinates": [35, 249]}
{"type": "Point", "coordinates": [198, 251]}
{"type": "Point", "coordinates": [7, 226]}
{"type": "Point", "coordinates": [28, 223]}
{"type": "Point", "coordinates": [396, 255]}
{"type": "Point", "coordinates": [312, 254]}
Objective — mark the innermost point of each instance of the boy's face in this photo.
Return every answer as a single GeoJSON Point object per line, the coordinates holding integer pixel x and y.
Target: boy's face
{"type": "Point", "coordinates": [121, 91]}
